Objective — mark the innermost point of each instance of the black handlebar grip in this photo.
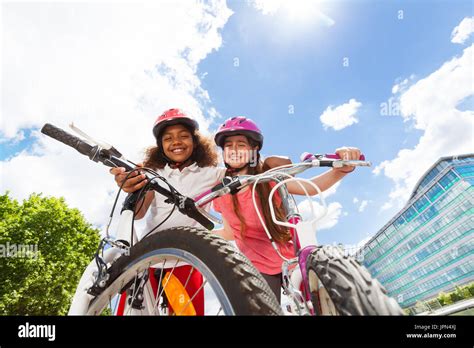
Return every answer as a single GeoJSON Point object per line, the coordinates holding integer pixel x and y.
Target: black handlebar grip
{"type": "Point", "coordinates": [204, 221]}
{"type": "Point", "coordinates": [191, 211]}
{"type": "Point", "coordinates": [66, 138]}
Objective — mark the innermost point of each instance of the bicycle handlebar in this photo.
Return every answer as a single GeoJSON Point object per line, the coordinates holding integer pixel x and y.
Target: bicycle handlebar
{"type": "Point", "coordinates": [306, 156]}
{"type": "Point", "coordinates": [230, 185]}
{"type": "Point", "coordinates": [106, 156]}
{"type": "Point", "coordinates": [66, 138]}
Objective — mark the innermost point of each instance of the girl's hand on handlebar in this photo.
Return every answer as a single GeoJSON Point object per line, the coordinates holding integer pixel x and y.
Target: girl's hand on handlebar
{"type": "Point", "coordinates": [135, 181]}
{"type": "Point", "coordinates": [348, 154]}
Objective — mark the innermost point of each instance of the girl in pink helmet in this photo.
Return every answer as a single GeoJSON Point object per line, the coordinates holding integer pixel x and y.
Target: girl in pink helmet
{"type": "Point", "coordinates": [241, 141]}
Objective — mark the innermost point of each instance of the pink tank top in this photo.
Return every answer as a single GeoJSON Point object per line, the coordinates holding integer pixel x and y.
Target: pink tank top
{"type": "Point", "coordinates": [255, 244]}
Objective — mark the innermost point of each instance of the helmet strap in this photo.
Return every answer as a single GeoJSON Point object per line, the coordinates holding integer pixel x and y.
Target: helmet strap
{"type": "Point", "coordinates": [174, 164]}
{"type": "Point", "coordinates": [234, 171]}
{"type": "Point", "coordinates": [180, 165]}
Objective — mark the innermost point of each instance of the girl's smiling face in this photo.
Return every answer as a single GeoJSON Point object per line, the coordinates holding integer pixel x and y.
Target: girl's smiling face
{"type": "Point", "coordinates": [238, 151]}
{"type": "Point", "coordinates": [177, 142]}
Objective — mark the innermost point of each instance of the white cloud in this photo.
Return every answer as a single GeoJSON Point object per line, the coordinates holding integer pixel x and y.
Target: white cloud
{"type": "Point", "coordinates": [363, 205]}
{"type": "Point", "coordinates": [333, 213]}
{"type": "Point", "coordinates": [110, 68]}
{"type": "Point", "coordinates": [267, 7]}
{"type": "Point", "coordinates": [20, 135]}
{"type": "Point", "coordinates": [341, 116]}
{"type": "Point", "coordinates": [332, 190]}
{"type": "Point", "coordinates": [301, 10]}
{"type": "Point", "coordinates": [328, 221]}
{"type": "Point", "coordinates": [462, 32]}
{"type": "Point", "coordinates": [431, 104]}
{"type": "Point", "coordinates": [402, 85]}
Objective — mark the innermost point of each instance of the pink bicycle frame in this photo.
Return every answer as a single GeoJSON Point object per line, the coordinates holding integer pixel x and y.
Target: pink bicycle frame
{"type": "Point", "coordinates": [302, 257]}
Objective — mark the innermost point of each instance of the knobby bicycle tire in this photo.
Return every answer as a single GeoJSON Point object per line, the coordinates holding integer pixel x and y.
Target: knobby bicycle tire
{"type": "Point", "coordinates": [349, 285]}
{"type": "Point", "coordinates": [242, 285]}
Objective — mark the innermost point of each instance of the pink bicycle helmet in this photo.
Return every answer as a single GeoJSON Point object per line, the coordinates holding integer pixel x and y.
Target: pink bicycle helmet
{"type": "Point", "coordinates": [171, 117]}
{"type": "Point", "coordinates": [239, 125]}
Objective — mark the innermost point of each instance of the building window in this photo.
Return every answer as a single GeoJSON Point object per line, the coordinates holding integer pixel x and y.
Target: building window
{"type": "Point", "coordinates": [421, 203]}
{"type": "Point", "coordinates": [434, 192]}
{"type": "Point", "coordinates": [431, 212]}
{"type": "Point", "coordinates": [429, 177]}
{"type": "Point", "coordinates": [465, 171]}
{"type": "Point", "coordinates": [409, 214]}
{"type": "Point", "coordinates": [470, 180]}
{"type": "Point", "coordinates": [399, 222]}
{"type": "Point", "coordinates": [448, 180]}
{"type": "Point", "coordinates": [373, 244]}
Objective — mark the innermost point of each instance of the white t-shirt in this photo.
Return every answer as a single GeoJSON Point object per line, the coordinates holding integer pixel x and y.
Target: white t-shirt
{"type": "Point", "coordinates": [191, 181]}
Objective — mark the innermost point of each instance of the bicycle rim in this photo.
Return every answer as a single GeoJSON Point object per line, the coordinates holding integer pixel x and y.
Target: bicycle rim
{"type": "Point", "coordinates": [322, 303]}
{"type": "Point", "coordinates": [168, 259]}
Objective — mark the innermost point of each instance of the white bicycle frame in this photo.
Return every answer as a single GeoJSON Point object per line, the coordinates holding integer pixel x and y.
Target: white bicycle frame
{"type": "Point", "coordinates": [305, 234]}
{"type": "Point", "coordinates": [304, 230]}
{"type": "Point", "coordinates": [81, 299]}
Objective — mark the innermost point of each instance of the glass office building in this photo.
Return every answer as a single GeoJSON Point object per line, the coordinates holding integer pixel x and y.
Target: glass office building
{"type": "Point", "coordinates": [428, 247]}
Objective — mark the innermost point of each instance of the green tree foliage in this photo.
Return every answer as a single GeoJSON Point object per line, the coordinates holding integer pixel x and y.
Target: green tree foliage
{"type": "Point", "coordinates": [44, 282]}
{"type": "Point", "coordinates": [444, 299]}
{"type": "Point", "coordinates": [460, 293]}
{"type": "Point", "coordinates": [470, 288]}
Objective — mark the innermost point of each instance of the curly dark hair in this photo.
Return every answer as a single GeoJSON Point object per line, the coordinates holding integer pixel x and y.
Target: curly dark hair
{"type": "Point", "coordinates": [204, 153]}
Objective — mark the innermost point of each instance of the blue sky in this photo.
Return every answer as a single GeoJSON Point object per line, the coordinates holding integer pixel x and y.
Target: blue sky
{"type": "Point", "coordinates": [283, 63]}
{"type": "Point", "coordinates": [301, 65]}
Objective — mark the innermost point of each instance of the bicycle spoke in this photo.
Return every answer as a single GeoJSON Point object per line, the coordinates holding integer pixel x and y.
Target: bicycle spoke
{"type": "Point", "coordinates": [192, 283]}
{"type": "Point", "coordinates": [211, 304]}
{"type": "Point", "coordinates": [192, 298]}
{"type": "Point", "coordinates": [134, 294]}
{"type": "Point", "coordinates": [187, 281]}
{"type": "Point", "coordinates": [157, 299]}
{"type": "Point", "coordinates": [169, 276]}
{"type": "Point", "coordinates": [189, 277]}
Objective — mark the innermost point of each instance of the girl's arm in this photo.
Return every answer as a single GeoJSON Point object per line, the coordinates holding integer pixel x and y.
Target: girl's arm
{"type": "Point", "coordinates": [275, 161]}
{"type": "Point", "coordinates": [325, 180]}
{"type": "Point", "coordinates": [225, 232]}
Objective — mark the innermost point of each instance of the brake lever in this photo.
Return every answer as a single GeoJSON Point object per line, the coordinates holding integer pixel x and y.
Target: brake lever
{"type": "Point", "coordinates": [209, 216]}
{"type": "Point", "coordinates": [102, 144]}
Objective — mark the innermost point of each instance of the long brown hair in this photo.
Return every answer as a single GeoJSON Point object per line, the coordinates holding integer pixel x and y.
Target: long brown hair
{"type": "Point", "coordinates": [204, 153]}
{"type": "Point", "coordinates": [278, 233]}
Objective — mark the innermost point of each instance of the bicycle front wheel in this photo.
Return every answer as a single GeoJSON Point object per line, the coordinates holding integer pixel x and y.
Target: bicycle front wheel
{"type": "Point", "coordinates": [228, 282]}
{"type": "Point", "coordinates": [339, 285]}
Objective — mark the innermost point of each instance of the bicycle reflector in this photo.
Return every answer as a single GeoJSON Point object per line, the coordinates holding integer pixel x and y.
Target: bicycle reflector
{"type": "Point", "coordinates": [177, 295]}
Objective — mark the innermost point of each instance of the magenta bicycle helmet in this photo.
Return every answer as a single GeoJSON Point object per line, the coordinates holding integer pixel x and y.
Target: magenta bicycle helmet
{"type": "Point", "coordinates": [239, 125]}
